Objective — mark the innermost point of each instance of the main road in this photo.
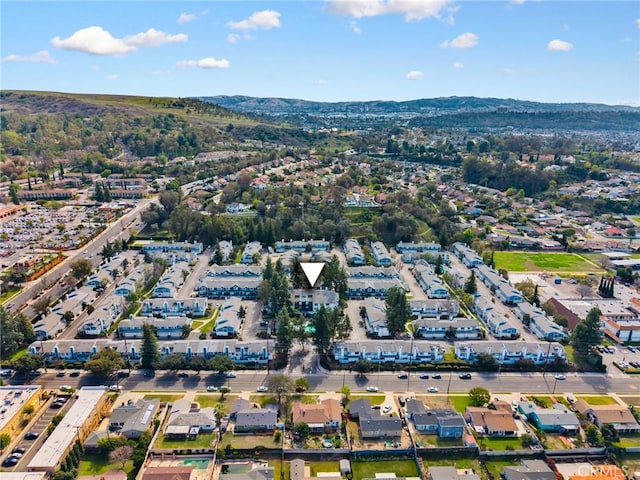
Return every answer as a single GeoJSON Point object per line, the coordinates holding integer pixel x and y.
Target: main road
{"type": "Point", "coordinates": [587, 383]}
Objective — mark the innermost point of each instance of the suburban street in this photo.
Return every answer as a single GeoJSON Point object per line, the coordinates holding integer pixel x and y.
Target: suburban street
{"type": "Point", "coordinates": [385, 381]}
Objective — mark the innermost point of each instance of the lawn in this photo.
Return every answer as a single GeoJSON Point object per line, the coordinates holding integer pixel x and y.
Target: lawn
{"type": "Point", "coordinates": [460, 402]}
{"type": "Point", "coordinates": [548, 262]}
{"type": "Point", "coordinates": [323, 467]}
{"type": "Point", "coordinates": [212, 401]}
{"type": "Point", "coordinates": [470, 463]}
{"type": "Point", "coordinates": [598, 399]}
{"type": "Point", "coordinates": [488, 443]}
{"type": "Point", "coordinates": [436, 441]}
{"type": "Point", "coordinates": [98, 464]}
{"type": "Point", "coordinates": [402, 468]}
{"type": "Point", "coordinates": [635, 401]}
{"type": "Point", "coordinates": [201, 441]}
{"type": "Point", "coordinates": [164, 397]}
{"type": "Point", "coordinates": [374, 399]}
{"type": "Point", "coordinates": [628, 441]}
{"type": "Point", "coordinates": [495, 467]}
{"type": "Point", "coordinates": [248, 441]}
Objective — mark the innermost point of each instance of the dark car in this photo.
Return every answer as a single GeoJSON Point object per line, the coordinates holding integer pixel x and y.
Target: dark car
{"type": "Point", "coordinates": [149, 373]}
{"type": "Point", "coordinates": [10, 462]}
{"type": "Point", "coordinates": [437, 376]}
{"type": "Point", "coordinates": [183, 374]}
{"type": "Point", "coordinates": [56, 405]}
{"type": "Point", "coordinates": [425, 376]}
{"type": "Point", "coordinates": [31, 435]}
{"type": "Point", "coordinates": [465, 376]}
{"type": "Point", "coordinates": [123, 374]}
{"type": "Point", "coordinates": [19, 450]}
{"type": "Point", "coordinates": [403, 376]}
{"type": "Point", "coordinates": [75, 373]}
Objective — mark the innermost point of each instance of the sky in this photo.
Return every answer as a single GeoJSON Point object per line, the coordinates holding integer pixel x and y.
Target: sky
{"type": "Point", "coordinates": [326, 50]}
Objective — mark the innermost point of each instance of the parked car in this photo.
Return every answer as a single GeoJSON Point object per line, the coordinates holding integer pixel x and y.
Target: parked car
{"type": "Point", "coordinates": [231, 375]}
{"type": "Point", "coordinates": [60, 373]}
{"type": "Point", "coordinates": [212, 388]}
{"type": "Point", "coordinates": [66, 388]}
{"type": "Point", "coordinates": [10, 462]}
{"type": "Point", "coordinates": [560, 377]}
{"type": "Point", "coordinates": [19, 450]}
{"type": "Point", "coordinates": [465, 376]}
{"type": "Point", "coordinates": [424, 376]}
{"type": "Point", "coordinates": [115, 388]}
{"type": "Point", "coordinates": [31, 435]}
{"type": "Point", "coordinates": [75, 373]}
{"type": "Point", "coordinates": [386, 409]}
{"type": "Point", "coordinates": [372, 389]}
{"type": "Point", "coordinates": [432, 389]}
{"type": "Point", "coordinates": [437, 376]}
{"type": "Point", "coordinates": [403, 376]}
{"type": "Point", "coordinates": [262, 388]}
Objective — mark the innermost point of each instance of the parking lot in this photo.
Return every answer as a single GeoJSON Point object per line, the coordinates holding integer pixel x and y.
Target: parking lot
{"type": "Point", "coordinates": [251, 325]}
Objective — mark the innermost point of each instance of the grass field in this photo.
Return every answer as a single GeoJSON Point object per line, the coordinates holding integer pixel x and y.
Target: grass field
{"type": "Point", "coordinates": [98, 464]}
{"type": "Point", "coordinates": [488, 443]}
{"type": "Point", "coordinates": [248, 441]}
{"type": "Point", "coordinates": [402, 468]}
{"type": "Point", "coordinates": [598, 399]}
{"type": "Point", "coordinates": [164, 397]}
{"type": "Point", "coordinates": [213, 400]}
{"type": "Point", "coordinates": [544, 262]}
{"type": "Point", "coordinates": [201, 441]}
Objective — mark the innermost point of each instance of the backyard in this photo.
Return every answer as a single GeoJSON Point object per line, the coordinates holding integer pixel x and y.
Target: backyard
{"type": "Point", "coordinates": [494, 443]}
{"type": "Point", "coordinates": [247, 442]}
{"type": "Point", "coordinates": [203, 440]}
{"type": "Point", "coordinates": [98, 464]}
{"type": "Point", "coordinates": [402, 468]}
{"type": "Point", "coordinates": [435, 441]}
{"type": "Point", "coordinates": [544, 262]}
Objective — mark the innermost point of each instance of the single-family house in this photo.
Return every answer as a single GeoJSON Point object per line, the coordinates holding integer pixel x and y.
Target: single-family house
{"type": "Point", "coordinates": [558, 418]}
{"type": "Point", "coordinates": [529, 470]}
{"type": "Point", "coordinates": [492, 423]}
{"type": "Point", "coordinates": [132, 419]}
{"type": "Point", "coordinates": [371, 423]}
{"type": "Point", "coordinates": [321, 417]}
{"type": "Point", "coordinates": [617, 415]}
{"type": "Point", "coordinates": [255, 420]}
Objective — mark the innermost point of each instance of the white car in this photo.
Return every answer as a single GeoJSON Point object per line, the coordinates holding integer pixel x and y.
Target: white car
{"type": "Point", "coordinates": [66, 388]}
{"type": "Point", "coordinates": [115, 388]}
{"type": "Point", "coordinates": [432, 389]}
{"type": "Point", "coordinates": [262, 388]}
{"type": "Point", "coordinates": [231, 375]}
{"type": "Point", "coordinates": [386, 409]}
{"type": "Point", "coordinates": [372, 389]}
{"type": "Point", "coordinates": [560, 377]}
{"type": "Point", "coordinates": [212, 388]}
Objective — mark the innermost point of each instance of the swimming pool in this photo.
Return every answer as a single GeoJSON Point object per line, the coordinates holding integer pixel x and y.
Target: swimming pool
{"type": "Point", "coordinates": [197, 463]}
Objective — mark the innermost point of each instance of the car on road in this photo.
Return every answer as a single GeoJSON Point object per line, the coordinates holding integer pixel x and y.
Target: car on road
{"type": "Point", "coordinates": [424, 376]}
{"type": "Point", "coordinates": [212, 388]}
{"type": "Point", "coordinates": [6, 372]}
{"type": "Point", "coordinates": [183, 374]}
{"type": "Point", "coordinates": [231, 375]}
{"type": "Point", "coordinates": [386, 409]}
{"type": "Point", "coordinates": [35, 373]}
{"type": "Point", "coordinates": [10, 462]}
{"type": "Point", "coordinates": [372, 389]}
{"type": "Point", "coordinates": [437, 376]}
{"type": "Point", "coordinates": [16, 455]}
{"type": "Point", "coordinates": [75, 373]}
{"type": "Point", "coordinates": [262, 388]}
{"type": "Point", "coordinates": [31, 435]}
{"type": "Point", "coordinates": [123, 374]}
{"type": "Point", "coordinates": [560, 377]}
{"type": "Point", "coordinates": [115, 388]}
{"type": "Point", "coordinates": [403, 376]}
{"type": "Point", "coordinates": [19, 450]}
{"type": "Point", "coordinates": [60, 373]}
{"type": "Point", "coordinates": [432, 389]}
{"type": "Point", "coordinates": [66, 388]}
{"type": "Point", "coordinates": [465, 376]}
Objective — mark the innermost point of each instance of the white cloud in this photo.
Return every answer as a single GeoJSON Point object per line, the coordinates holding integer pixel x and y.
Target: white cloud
{"type": "Point", "coordinates": [233, 38]}
{"type": "Point", "coordinates": [207, 63]}
{"type": "Point", "coordinates": [508, 71]}
{"type": "Point", "coordinates": [154, 38]}
{"type": "Point", "coordinates": [458, 65]}
{"type": "Point", "coordinates": [638, 22]}
{"type": "Point", "coordinates": [112, 77]}
{"type": "Point", "coordinates": [186, 18]}
{"type": "Point", "coordinates": [39, 57]}
{"type": "Point", "coordinates": [465, 40]}
{"type": "Point", "coordinates": [518, 2]}
{"type": "Point", "coordinates": [95, 41]}
{"type": "Point", "coordinates": [98, 41]}
{"type": "Point", "coordinates": [264, 20]}
{"type": "Point", "coordinates": [415, 75]}
{"type": "Point", "coordinates": [413, 10]}
{"type": "Point", "coordinates": [559, 45]}
{"type": "Point", "coordinates": [320, 82]}
{"type": "Point", "coordinates": [355, 28]}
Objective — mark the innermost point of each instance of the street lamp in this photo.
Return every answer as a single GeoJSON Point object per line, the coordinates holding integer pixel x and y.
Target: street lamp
{"type": "Point", "coordinates": [554, 386]}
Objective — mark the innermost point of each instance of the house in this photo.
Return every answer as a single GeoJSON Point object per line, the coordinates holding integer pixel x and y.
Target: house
{"type": "Point", "coordinates": [225, 247]}
{"type": "Point", "coordinates": [371, 423]}
{"type": "Point", "coordinates": [392, 351]}
{"type": "Point", "coordinates": [168, 473]}
{"type": "Point", "coordinates": [468, 256]}
{"type": "Point", "coordinates": [235, 207]}
{"type": "Point", "coordinates": [359, 288]}
{"type": "Point", "coordinates": [511, 352]}
{"type": "Point", "coordinates": [353, 252]}
{"type": "Point", "coordinates": [375, 318]}
{"type": "Point", "coordinates": [555, 419]}
{"type": "Point", "coordinates": [380, 254]}
{"type": "Point", "coordinates": [492, 423]}
{"type": "Point", "coordinates": [134, 418]}
{"type": "Point", "coordinates": [251, 251]}
{"type": "Point", "coordinates": [225, 287]}
{"type": "Point", "coordinates": [229, 319]}
{"type": "Point", "coordinates": [499, 285]}
{"type": "Point", "coordinates": [462, 328]}
{"type": "Point", "coordinates": [434, 308]}
{"type": "Point", "coordinates": [539, 323]}
{"type": "Point", "coordinates": [309, 301]}
{"type": "Point", "coordinates": [321, 417]}
{"type": "Point", "coordinates": [188, 420]}
{"type": "Point", "coordinates": [259, 471]}
{"type": "Point", "coordinates": [451, 473]}
{"type": "Point", "coordinates": [623, 331]}
{"type": "Point", "coordinates": [165, 246]}
{"type": "Point", "coordinates": [445, 423]}
{"type": "Point", "coordinates": [430, 283]}
{"type": "Point", "coordinates": [160, 307]}
{"type": "Point", "coordinates": [255, 420]}
{"type": "Point", "coordinates": [617, 415]}
{"type": "Point", "coordinates": [165, 328]}
{"type": "Point", "coordinates": [529, 470]}
{"type": "Point", "coordinates": [421, 247]}
{"type": "Point", "coordinates": [303, 246]}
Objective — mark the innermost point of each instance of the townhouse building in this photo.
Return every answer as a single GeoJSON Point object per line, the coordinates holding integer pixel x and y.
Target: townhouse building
{"type": "Point", "coordinates": [150, 247]}
{"type": "Point", "coordinates": [229, 319]}
{"type": "Point", "coordinates": [394, 351]}
{"type": "Point", "coordinates": [308, 302]}
{"type": "Point", "coordinates": [500, 286]}
{"type": "Point", "coordinates": [427, 279]}
{"type": "Point", "coordinates": [434, 308]}
{"type": "Point", "coordinates": [303, 245]}
{"type": "Point", "coordinates": [161, 307]}
{"type": "Point", "coordinates": [166, 328]}
{"type": "Point", "coordinates": [380, 254]}
{"type": "Point", "coordinates": [539, 323]}
{"type": "Point", "coordinates": [252, 250]}
{"type": "Point", "coordinates": [441, 329]}
{"type": "Point", "coordinates": [353, 252]}
{"type": "Point", "coordinates": [468, 256]}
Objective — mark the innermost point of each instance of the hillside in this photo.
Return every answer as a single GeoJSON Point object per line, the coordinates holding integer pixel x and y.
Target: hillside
{"type": "Point", "coordinates": [462, 112]}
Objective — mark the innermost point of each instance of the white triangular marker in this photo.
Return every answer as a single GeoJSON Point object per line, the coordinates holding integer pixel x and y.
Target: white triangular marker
{"type": "Point", "coordinates": [312, 271]}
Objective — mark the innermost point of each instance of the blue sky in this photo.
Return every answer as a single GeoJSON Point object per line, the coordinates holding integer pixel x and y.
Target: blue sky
{"type": "Point", "coordinates": [334, 50]}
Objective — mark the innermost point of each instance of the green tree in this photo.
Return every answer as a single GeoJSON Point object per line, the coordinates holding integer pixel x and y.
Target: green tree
{"type": "Point", "coordinates": [149, 348]}
{"type": "Point", "coordinates": [5, 440]}
{"type": "Point", "coordinates": [221, 364]}
{"type": "Point", "coordinates": [68, 317]}
{"type": "Point", "coordinates": [300, 430]}
{"type": "Point", "coordinates": [105, 362]}
{"type": "Point", "coordinates": [81, 268]}
{"type": "Point", "coordinates": [302, 385]}
{"type": "Point", "coordinates": [300, 332]}
{"type": "Point", "coordinates": [593, 436]}
{"type": "Point", "coordinates": [487, 362]}
{"type": "Point", "coordinates": [174, 362]}
{"type": "Point", "coordinates": [197, 363]}
{"type": "Point", "coordinates": [13, 193]}
{"type": "Point", "coordinates": [362, 366]}
{"type": "Point", "coordinates": [586, 334]}
{"type": "Point", "coordinates": [334, 277]}
{"type": "Point", "coordinates": [16, 331]}
{"type": "Point", "coordinates": [27, 363]}
{"type": "Point", "coordinates": [479, 396]}
{"type": "Point", "coordinates": [609, 434]}
{"type": "Point", "coordinates": [527, 440]}
{"type": "Point", "coordinates": [322, 334]}
{"type": "Point", "coordinates": [398, 311]}
{"type": "Point", "coordinates": [471, 286]}
{"type": "Point", "coordinates": [284, 333]}
{"type": "Point", "coordinates": [280, 385]}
